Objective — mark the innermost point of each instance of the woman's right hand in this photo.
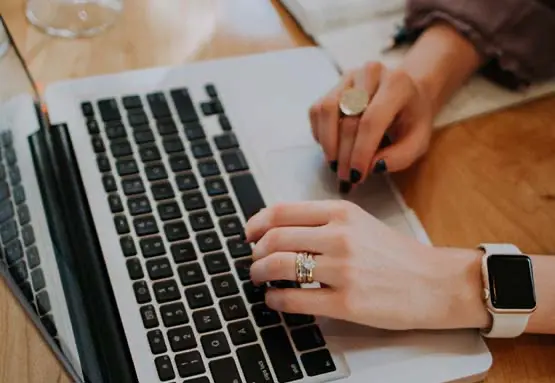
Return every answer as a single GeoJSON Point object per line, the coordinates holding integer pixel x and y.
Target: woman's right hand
{"type": "Point", "coordinates": [398, 106]}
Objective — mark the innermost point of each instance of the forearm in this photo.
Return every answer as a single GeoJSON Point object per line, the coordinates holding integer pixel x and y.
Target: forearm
{"type": "Point", "coordinates": [440, 62]}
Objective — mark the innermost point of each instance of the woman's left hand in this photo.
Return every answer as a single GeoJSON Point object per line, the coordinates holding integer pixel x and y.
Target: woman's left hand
{"type": "Point", "coordinates": [372, 274]}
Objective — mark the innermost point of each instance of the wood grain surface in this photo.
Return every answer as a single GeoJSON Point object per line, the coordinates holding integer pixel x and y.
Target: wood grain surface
{"type": "Point", "coordinates": [490, 178]}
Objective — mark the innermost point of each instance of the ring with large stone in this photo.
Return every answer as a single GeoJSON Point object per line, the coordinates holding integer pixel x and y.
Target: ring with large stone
{"type": "Point", "coordinates": [353, 101]}
{"type": "Point", "coordinates": [304, 266]}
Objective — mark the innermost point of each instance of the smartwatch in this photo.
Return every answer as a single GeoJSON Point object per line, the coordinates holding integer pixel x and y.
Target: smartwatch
{"type": "Point", "coordinates": [509, 291]}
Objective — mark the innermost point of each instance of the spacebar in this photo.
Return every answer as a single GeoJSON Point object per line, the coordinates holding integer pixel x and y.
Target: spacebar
{"type": "Point", "coordinates": [247, 194]}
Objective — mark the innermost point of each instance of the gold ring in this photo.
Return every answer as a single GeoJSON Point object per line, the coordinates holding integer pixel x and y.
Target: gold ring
{"type": "Point", "coordinates": [354, 101]}
{"type": "Point", "coordinates": [304, 267]}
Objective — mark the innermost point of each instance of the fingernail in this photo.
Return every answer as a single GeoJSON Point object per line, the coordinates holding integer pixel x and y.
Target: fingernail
{"type": "Point", "coordinates": [333, 166]}
{"type": "Point", "coordinates": [344, 187]}
{"type": "Point", "coordinates": [355, 176]}
{"type": "Point", "coordinates": [380, 167]}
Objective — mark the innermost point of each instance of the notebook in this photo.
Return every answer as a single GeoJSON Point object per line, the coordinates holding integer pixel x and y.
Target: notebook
{"type": "Point", "coordinates": [353, 32]}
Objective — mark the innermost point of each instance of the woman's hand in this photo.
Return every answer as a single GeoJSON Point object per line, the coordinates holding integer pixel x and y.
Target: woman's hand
{"type": "Point", "coordinates": [372, 274]}
{"type": "Point", "coordinates": [397, 106]}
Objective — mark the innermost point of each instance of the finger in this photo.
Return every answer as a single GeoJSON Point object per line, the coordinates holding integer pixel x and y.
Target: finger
{"type": "Point", "coordinates": [391, 97]}
{"type": "Point", "coordinates": [306, 213]}
{"type": "Point", "coordinates": [348, 132]}
{"type": "Point", "coordinates": [282, 266]}
{"type": "Point", "coordinates": [318, 302]}
{"type": "Point", "coordinates": [292, 239]}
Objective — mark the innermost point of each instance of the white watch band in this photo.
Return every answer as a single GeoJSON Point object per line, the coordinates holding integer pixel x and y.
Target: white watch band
{"type": "Point", "coordinates": [504, 325]}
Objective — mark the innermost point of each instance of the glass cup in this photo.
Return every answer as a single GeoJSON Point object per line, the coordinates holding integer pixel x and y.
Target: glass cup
{"type": "Point", "coordinates": [4, 41]}
{"type": "Point", "coordinates": [73, 18]}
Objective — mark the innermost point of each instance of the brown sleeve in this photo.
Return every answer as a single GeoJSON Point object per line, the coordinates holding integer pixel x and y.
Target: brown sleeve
{"type": "Point", "coordinates": [517, 37]}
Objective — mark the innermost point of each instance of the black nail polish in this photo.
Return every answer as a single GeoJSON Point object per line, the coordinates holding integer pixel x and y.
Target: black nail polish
{"type": "Point", "coordinates": [344, 187]}
{"type": "Point", "coordinates": [333, 166]}
{"type": "Point", "coordinates": [380, 167]}
{"type": "Point", "coordinates": [355, 176]}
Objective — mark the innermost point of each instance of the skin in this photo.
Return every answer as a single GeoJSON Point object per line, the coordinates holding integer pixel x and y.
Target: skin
{"type": "Point", "coordinates": [413, 286]}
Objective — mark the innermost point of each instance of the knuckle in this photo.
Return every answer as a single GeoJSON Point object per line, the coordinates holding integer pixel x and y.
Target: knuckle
{"type": "Point", "coordinates": [275, 266]}
{"type": "Point", "coordinates": [272, 239]}
{"type": "Point", "coordinates": [399, 78]}
{"type": "Point", "coordinates": [328, 106]}
{"type": "Point", "coordinates": [373, 68]}
{"type": "Point", "coordinates": [341, 210]}
{"type": "Point", "coordinates": [314, 111]}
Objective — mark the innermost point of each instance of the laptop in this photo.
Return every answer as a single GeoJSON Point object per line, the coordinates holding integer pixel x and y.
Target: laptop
{"type": "Point", "coordinates": [123, 199]}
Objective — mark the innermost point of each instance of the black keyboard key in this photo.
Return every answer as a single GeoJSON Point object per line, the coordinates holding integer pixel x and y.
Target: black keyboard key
{"type": "Point", "coordinates": [226, 141]}
{"type": "Point", "coordinates": [8, 231]}
{"type": "Point", "coordinates": [247, 193]}
{"type": "Point", "coordinates": [264, 316]}
{"type": "Point", "coordinates": [173, 144]}
{"type": "Point", "coordinates": [135, 269]}
{"type": "Point", "coordinates": [115, 203]}
{"type": "Point", "coordinates": [169, 210]}
{"type": "Point", "coordinates": [158, 105]}
{"type": "Point", "coordinates": [149, 152]}
{"type": "Point", "coordinates": [223, 206]}
{"type": "Point", "coordinates": [209, 168]}
{"type": "Point", "coordinates": [132, 102]}
{"type": "Point", "coordinates": [143, 136]}
{"type": "Point", "coordinates": [194, 131]}
{"type": "Point", "coordinates": [159, 268]}
{"type": "Point", "coordinates": [189, 364]}
{"type": "Point", "coordinates": [243, 268]}
{"type": "Point", "coordinates": [183, 252]}
{"type": "Point", "coordinates": [139, 205]}
{"type": "Point", "coordinates": [254, 364]}
{"type": "Point", "coordinates": [15, 175]}
{"type": "Point", "coordinates": [37, 278]}
{"type": "Point", "coordinates": [224, 370]}
{"type": "Point", "coordinates": [156, 342]}
{"type": "Point", "coordinates": [190, 274]}
{"type": "Point", "coordinates": [109, 183]}
{"type": "Point", "coordinates": [145, 225]}
{"type": "Point", "coordinates": [109, 110]}
{"type": "Point", "coordinates": [6, 211]}
{"type": "Point", "coordinates": [298, 319]}
{"type": "Point", "coordinates": [216, 263]}
{"type": "Point", "coordinates": [103, 163]}
{"type": "Point", "coordinates": [254, 294]}
{"type": "Point", "coordinates": [176, 231]}
{"type": "Point", "coordinates": [182, 339]}
{"type": "Point", "coordinates": [18, 195]}
{"type": "Point", "coordinates": [87, 109]}
{"type": "Point", "coordinates": [202, 379]}
{"type": "Point", "coordinates": [238, 247]}
{"type": "Point", "coordinates": [193, 201]}
{"type": "Point", "coordinates": [224, 122]}
{"type": "Point", "coordinates": [308, 338]}
{"type": "Point", "coordinates": [132, 186]}
{"type": "Point", "coordinates": [201, 221]}
{"type": "Point", "coordinates": [231, 226]}
{"type": "Point", "coordinates": [184, 105]}
{"type": "Point", "coordinates": [198, 297]}
{"type": "Point", "coordinates": [152, 246]}
{"type": "Point", "coordinates": [215, 344]}
{"type": "Point", "coordinates": [48, 322]}
{"type": "Point", "coordinates": [19, 272]}
{"type": "Point", "coordinates": [215, 186]}
{"type": "Point", "coordinates": [11, 158]}
{"type": "Point", "coordinates": [318, 362]}
{"type": "Point", "coordinates": [281, 354]}
{"type": "Point", "coordinates": [122, 227]}
{"type": "Point", "coordinates": [166, 291]}
{"type": "Point", "coordinates": [148, 314]}
{"type": "Point", "coordinates": [201, 149]}
{"type": "Point", "coordinates": [162, 190]}
{"type": "Point", "coordinates": [4, 190]}
{"type": "Point", "coordinates": [211, 91]}
{"type": "Point", "coordinates": [208, 108]}
{"type": "Point", "coordinates": [116, 131]}
{"type": "Point", "coordinates": [127, 246]}
{"type": "Point", "coordinates": [208, 242]}
{"type": "Point", "coordinates": [142, 295]}
{"type": "Point", "coordinates": [156, 172]}
{"type": "Point", "coordinates": [92, 126]}
{"type": "Point", "coordinates": [234, 162]}
{"type": "Point", "coordinates": [167, 127]}
{"type": "Point", "coordinates": [180, 162]}
{"type": "Point", "coordinates": [207, 320]}
{"type": "Point", "coordinates": [2, 172]}
{"type": "Point", "coordinates": [241, 332]}
{"type": "Point", "coordinates": [174, 314]}
{"type": "Point", "coordinates": [137, 119]}
{"type": "Point", "coordinates": [127, 167]}
{"type": "Point", "coordinates": [13, 251]}
{"type": "Point", "coordinates": [28, 235]}
{"type": "Point", "coordinates": [121, 148]}
{"type": "Point", "coordinates": [164, 368]}
{"type": "Point", "coordinates": [233, 308]}
{"type": "Point", "coordinates": [33, 259]}
{"type": "Point", "coordinates": [218, 107]}
{"type": "Point", "coordinates": [224, 285]}
{"type": "Point", "coordinates": [43, 302]}
{"type": "Point", "coordinates": [186, 182]}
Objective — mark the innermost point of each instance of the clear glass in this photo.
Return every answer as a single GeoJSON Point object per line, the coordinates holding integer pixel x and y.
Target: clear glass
{"type": "Point", "coordinates": [73, 18]}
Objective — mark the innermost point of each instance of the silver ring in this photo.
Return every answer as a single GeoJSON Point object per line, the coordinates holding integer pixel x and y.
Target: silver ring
{"type": "Point", "coordinates": [353, 101]}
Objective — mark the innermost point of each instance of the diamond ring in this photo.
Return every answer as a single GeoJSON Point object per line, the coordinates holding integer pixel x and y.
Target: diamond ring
{"type": "Point", "coordinates": [304, 267]}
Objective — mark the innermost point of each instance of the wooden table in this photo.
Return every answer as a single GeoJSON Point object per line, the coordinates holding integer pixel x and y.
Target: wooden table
{"type": "Point", "coordinates": [488, 179]}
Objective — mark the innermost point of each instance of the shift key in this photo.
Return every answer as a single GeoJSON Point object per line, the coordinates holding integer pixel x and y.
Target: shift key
{"type": "Point", "coordinates": [254, 365]}
{"type": "Point", "coordinates": [247, 193]}
{"type": "Point", "coordinates": [281, 354]}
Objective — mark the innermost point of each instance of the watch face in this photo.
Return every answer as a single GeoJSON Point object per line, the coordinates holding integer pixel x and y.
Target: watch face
{"type": "Point", "coordinates": [511, 283]}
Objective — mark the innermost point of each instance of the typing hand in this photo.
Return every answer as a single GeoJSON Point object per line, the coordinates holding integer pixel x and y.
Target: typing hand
{"type": "Point", "coordinates": [352, 143]}
{"type": "Point", "coordinates": [372, 274]}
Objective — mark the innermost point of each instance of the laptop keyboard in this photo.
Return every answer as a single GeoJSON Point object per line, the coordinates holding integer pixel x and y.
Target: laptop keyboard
{"type": "Point", "coordinates": [19, 251]}
{"type": "Point", "coordinates": [179, 200]}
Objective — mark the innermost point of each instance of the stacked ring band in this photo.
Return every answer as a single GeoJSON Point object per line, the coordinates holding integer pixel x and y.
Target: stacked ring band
{"type": "Point", "coordinates": [304, 267]}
